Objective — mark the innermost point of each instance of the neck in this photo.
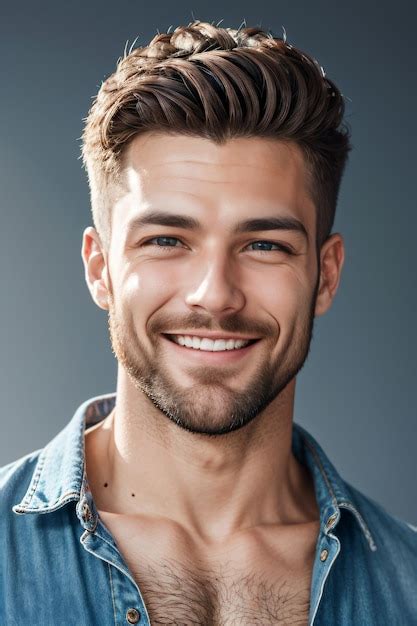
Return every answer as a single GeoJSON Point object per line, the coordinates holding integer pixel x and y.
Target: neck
{"type": "Point", "coordinates": [211, 486]}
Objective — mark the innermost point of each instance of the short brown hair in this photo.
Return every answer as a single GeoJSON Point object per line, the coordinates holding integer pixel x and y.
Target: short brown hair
{"type": "Point", "coordinates": [217, 83]}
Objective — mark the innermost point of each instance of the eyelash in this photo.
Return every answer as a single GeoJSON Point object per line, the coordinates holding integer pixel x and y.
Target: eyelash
{"type": "Point", "coordinates": [282, 248]}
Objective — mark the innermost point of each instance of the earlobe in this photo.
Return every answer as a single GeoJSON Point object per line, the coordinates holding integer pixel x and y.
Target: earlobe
{"type": "Point", "coordinates": [95, 267]}
{"type": "Point", "coordinates": [332, 258]}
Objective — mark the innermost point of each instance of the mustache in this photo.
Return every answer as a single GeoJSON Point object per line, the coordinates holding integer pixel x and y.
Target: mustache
{"type": "Point", "coordinates": [231, 324]}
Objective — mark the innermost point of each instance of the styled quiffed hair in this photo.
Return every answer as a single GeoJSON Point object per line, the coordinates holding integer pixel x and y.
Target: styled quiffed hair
{"type": "Point", "coordinates": [217, 83]}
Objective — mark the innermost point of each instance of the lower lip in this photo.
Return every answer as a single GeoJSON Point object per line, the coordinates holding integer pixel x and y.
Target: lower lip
{"type": "Point", "coordinates": [217, 358]}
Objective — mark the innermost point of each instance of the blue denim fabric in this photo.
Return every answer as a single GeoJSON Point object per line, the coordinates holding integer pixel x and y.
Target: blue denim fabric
{"type": "Point", "coordinates": [59, 565]}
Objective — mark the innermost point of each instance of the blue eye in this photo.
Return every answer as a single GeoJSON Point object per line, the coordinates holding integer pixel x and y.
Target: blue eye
{"type": "Point", "coordinates": [159, 238]}
{"type": "Point", "coordinates": [279, 247]}
{"type": "Point", "coordinates": [272, 243]}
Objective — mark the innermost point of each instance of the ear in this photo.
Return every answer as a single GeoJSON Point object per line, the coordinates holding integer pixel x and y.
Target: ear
{"type": "Point", "coordinates": [95, 267]}
{"type": "Point", "coordinates": [332, 256]}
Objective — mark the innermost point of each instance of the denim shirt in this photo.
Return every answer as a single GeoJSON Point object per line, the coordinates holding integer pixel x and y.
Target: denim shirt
{"type": "Point", "coordinates": [59, 564]}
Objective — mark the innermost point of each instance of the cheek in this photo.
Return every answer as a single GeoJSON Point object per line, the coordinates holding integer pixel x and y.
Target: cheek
{"type": "Point", "coordinates": [147, 290]}
{"type": "Point", "coordinates": [284, 295]}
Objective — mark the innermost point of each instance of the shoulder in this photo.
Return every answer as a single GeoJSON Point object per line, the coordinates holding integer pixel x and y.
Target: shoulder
{"type": "Point", "coordinates": [380, 518]}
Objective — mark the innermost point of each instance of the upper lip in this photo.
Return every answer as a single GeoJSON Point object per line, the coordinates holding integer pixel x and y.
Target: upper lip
{"type": "Point", "coordinates": [212, 335]}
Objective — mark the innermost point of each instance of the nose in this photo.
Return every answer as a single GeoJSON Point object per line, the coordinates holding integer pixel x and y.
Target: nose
{"type": "Point", "coordinates": [215, 288]}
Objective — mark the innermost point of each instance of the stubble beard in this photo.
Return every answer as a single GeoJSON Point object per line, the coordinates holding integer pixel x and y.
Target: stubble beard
{"type": "Point", "coordinates": [209, 406]}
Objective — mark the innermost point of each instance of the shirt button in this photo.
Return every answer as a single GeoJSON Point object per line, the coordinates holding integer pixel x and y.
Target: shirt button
{"type": "Point", "coordinates": [85, 512]}
{"type": "Point", "coordinates": [324, 554]}
{"type": "Point", "coordinates": [132, 616]}
{"type": "Point", "coordinates": [331, 520]}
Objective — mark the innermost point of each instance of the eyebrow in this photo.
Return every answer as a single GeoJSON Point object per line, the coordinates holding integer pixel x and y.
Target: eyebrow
{"type": "Point", "coordinates": [162, 218]}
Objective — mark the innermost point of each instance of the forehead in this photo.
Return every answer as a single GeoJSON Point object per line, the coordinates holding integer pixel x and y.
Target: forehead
{"type": "Point", "coordinates": [239, 178]}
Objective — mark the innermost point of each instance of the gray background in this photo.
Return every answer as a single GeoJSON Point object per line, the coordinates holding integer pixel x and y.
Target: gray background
{"type": "Point", "coordinates": [356, 391]}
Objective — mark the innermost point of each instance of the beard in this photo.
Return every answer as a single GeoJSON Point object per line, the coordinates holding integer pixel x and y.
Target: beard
{"type": "Point", "coordinates": [208, 406]}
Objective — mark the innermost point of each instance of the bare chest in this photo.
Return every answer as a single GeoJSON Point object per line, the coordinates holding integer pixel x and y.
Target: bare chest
{"type": "Point", "coordinates": [250, 587]}
{"type": "Point", "coordinates": [180, 595]}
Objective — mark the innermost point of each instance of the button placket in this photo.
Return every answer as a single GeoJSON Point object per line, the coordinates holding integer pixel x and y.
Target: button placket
{"type": "Point", "coordinates": [330, 522]}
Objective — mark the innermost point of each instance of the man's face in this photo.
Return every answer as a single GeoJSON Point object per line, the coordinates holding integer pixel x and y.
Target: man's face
{"type": "Point", "coordinates": [174, 279]}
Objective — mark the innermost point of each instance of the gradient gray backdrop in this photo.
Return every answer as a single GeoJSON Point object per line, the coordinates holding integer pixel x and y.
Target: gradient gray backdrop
{"type": "Point", "coordinates": [356, 391]}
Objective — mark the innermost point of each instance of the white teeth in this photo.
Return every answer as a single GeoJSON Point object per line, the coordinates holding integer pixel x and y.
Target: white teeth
{"type": "Point", "coordinates": [198, 343]}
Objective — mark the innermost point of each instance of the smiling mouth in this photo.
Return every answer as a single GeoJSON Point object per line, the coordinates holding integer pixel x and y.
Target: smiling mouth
{"type": "Point", "coordinates": [205, 348]}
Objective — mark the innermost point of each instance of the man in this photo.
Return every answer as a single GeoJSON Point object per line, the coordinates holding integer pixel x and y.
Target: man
{"type": "Point", "coordinates": [190, 496]}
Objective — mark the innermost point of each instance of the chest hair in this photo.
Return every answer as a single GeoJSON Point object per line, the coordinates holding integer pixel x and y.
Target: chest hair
{"type": "Point", "coordinates": [181, 596]}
